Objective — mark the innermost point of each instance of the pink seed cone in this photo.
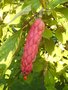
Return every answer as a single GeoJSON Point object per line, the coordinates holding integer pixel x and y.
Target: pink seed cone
{"type": "Point", "coordinates": [31, 46]}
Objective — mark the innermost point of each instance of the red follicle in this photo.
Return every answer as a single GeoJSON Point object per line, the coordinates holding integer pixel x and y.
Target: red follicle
{"type": "Point", "coordinates": [31, 46]}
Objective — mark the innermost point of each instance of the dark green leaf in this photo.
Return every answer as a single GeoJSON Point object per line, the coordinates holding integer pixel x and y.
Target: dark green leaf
{"type": "Point", "coordinates": [1, 33]}
{"type": "Point", "coordinates": [49, 45]}
{"type": "Point", "coordinates": [66, 87]}
{"type": "Point", "coordinates": [49, 81]}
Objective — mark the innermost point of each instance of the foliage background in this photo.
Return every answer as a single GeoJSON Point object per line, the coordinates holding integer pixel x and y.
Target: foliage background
{"type": "Point", "coordinates": [50, 70]}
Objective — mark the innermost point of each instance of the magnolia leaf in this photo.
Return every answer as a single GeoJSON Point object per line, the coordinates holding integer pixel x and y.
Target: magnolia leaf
{"type": "Point", "coordinates": [58, 35]}
{"type": "Point", "coordinates": [63, 11]}
{"type": "Point", "coordinates": [65, 87]}
{"type": "Point", "coordinates": [1, 14]}
{"type": "Point", "coordinates": [49, 45]}
{"type": "Point", "coordinates": [47, 33]}
{"type": "Point", "coordinates": [65, 37]}
{"type": "Point", "coordinates": [8, 18]}
{"type": "Point", "coordinates": [35, 4]}
{"type": "Point", "coordinates": [49, 81]}
{"type": "Point", "coordinates": [6, 8]}
{"type": "Point", "coordinates": [61, 18]}
{"type": "Point", "coordinates": [8, 49]}
{"type": "Point", "coordinates": [59, 66]}
{"type": "Point", "coordinates": [25, 11]}
{"type": "Point", "coordinates": [38, 65]}
{"type": "Point", "coordinates": [54, 3]}
{"type": "Point", "coordinates": [1, 33]}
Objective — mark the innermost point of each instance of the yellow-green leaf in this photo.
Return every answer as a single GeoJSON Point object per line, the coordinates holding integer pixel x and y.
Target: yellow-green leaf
{"type": "Point", "coordinates": [7, 51]}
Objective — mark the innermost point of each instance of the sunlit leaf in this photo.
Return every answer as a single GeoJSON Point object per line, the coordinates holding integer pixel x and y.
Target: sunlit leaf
{"type": "Point", "coordinates": [1, 87]}
{"type": "Point", "coordinates": [1, 14]}
{"type": "Point", "coordinates": [9, 17]}
{"type": "Point", "coordinates": [63, 11]}
{"type": "Point", "coordinates": [6, 8]}
{"type": "Point", "coordinates": [25, 11]}
{"type": "Point", "coordinates": [59, 66]}
{"type": "Point", "coordinates": [61, 18]}
{"type": "Point", "coordinates": [50, 69]}
{"type": "Point", "coordinates": [54, 3]}
{"type": "Point", "coordinates": [8, 49]}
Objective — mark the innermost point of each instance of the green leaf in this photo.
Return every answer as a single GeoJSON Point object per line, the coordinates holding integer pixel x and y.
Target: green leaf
{"type": "Point", "coordinates": [61, 36]}
{"type": "Point", "coordinates": [25, 11]}
{"type": "Point", "coordinates": [54, 3]}
{"type": "Point", "coordinates": [1, 15]}
{"type": "Point", "coordinates": [66, 87]}
{"type": "Point", "coordinates": [17, 84]}
{"type": "Point", "coordinates": [63, 11]}
{"type": "Point", "coordinates": [8, 1]}
{"type": "Point", "coordinates": [49, 81]}
{"type": "Point", "coordinates": [35, 4]}
{"type": "Point", "coordinates": [49, 45]}
{"type": "Point", "coordinates": [57, 55]}
{"type": "Point", "coordinates": [50, 88]}
{"type": "Point", "coordinates": [9, 18]}
{"type": "Point", "coordinates": [1, 33]}
{"type": "Point", "coordinates": [35, 84]}
{"type": "Point", "coordinates": [38, 65]}
{"type": "Point", "coordinates": [2, 70]}
{"type": "Point", "coordinates": [58, 35]}
{"type": "Point", "coordinates": [61, 18]}
{"type": "Point", "coordinates": [1, 87]}
{"type": "Point", "coordinates": [47, 33]}
{"type": "Point", "coordinates": [65, 37]}
{"type": "Point", "coordinates": [6, 8]}
{"type": "Point", "coordinates": [8, 49]}
{"type": "Point", "coordinates": [66, 45]}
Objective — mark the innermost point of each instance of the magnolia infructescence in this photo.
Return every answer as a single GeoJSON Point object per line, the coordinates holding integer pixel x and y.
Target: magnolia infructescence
{"type": "Point", "coordinates": [31, 46]}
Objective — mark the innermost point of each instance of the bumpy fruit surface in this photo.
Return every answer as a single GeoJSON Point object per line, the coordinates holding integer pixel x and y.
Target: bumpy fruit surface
{"type": "Point", "coordinates": [31, 46]}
